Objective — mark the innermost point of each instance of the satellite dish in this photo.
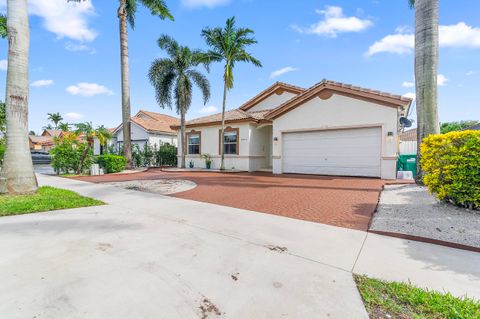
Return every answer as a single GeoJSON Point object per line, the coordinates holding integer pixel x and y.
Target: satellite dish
{"type": "Point", "coordinates": [405, 122]}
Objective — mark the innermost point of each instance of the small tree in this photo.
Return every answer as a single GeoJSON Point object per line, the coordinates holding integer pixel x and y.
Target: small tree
{"type": "Point", "coordinates": [55, 118]}
{"type": "Point", "coordinates": [87, 133]}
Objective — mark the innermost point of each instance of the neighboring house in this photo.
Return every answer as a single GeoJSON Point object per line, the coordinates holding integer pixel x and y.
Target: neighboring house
{"type": "Point", "coordinates": [408, 142]}
{"type": "Point", "coordinates": [328, 129]}
{"type": "Point", "coordinates": [40, 143]}
{"type": "Point", "coordinates": [146, 127]}
{"type": "Point", "coordinates": [475, 127]}
{"type": "Point", "coordinates": [52, 133]}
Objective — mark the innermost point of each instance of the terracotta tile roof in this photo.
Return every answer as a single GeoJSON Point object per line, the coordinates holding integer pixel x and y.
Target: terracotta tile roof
{"type": "Point", "coordinates": [154, 122]}
{"type": "Point", "coordinates": [338, 87]}
{"type": "Point", "coordinates": [230, 116]}
{"type": "Point", "coordinates": [410, 135]}
{"type": "Point", "coordinates": [242, 113]}
{"type": "Point", "coordinates": [55, 133]}
{"type": "Point", "coordinates": [41, 140]}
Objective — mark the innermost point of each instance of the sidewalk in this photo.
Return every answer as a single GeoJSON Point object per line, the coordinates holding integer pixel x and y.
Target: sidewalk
{"type": "Point", "coordinates": [150, 256]}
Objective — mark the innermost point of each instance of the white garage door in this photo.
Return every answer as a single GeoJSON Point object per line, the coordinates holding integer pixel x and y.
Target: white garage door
{"type": "Point", "coordinates": [352, 152]}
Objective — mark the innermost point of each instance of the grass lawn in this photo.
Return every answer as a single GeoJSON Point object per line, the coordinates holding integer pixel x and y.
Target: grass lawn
{"type": "Point", "coordinates": [398, 300]}
{"type": "Point", "coordinates": [47, 198]}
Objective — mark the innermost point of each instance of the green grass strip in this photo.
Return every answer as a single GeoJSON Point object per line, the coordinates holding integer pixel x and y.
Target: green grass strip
{"type": "Point", "coordinates": [45, 199]}
{"type": "Point", "coordinates": [399, 300]}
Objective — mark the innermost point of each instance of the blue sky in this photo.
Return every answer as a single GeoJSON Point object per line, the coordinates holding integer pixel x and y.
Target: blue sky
{"type": "Point", "coordinates": [75, 67]}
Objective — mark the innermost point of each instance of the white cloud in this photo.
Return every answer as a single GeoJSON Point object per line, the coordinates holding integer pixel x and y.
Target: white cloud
{"type": "Point", "coordinates": [458, 35]}
{"type": "Point", "coordinates": [441, 80]}
{"type": "Point", "coordinates": [72, 116]}
{"type": "Point", "coordinates": [65, 19]}
{"type": "Point", "coordinates": [282, 71]}
{"type": "Point", "coordinates": [79, 47]}
{"type": "Point", "coordinates": [471, 73]}
{"type": "Point", "coordinates": [335, 22]}
{"type": "Point", "coordinates": [407, 84]}
{"type": "Point", "coordinates": [204, 3]}
{"type": "Point", "coordinates": [410, 95]}
{"type": "Point", "coordinates": [42, 83]}
{"type": "Point", "coordinates": [88, 89]}
{"type": "Point", "coordinates": [208, 109]}
{"type": "Point", "coordinates": [3, 65]}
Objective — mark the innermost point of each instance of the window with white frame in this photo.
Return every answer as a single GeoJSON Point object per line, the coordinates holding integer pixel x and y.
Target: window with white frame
{"type": "Point", "coordinates": [193, 143]}
{"type": "Point", "coordinates": [230, 141]}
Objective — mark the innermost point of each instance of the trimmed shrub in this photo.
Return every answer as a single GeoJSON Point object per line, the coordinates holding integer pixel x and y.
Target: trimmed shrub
{"type": "Point", "coordinates": [67, 155]}
{"type": "Point", "coordinates": [112, 163]}
{"type": "Point", "coordinates": [451, 163]}
{"type": "Point", "coordinates": [2, 150]}
{"type": "Point", "coordinates": [166, 155]}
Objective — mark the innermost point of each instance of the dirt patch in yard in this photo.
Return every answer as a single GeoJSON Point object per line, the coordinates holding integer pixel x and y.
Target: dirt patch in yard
{"type": "Point", "coordinates": [159, 186]}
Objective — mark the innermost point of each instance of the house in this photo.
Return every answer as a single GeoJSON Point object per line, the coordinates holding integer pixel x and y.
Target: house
{"type": "Point", "coordinates": [44, 142]}
{"type": "Point", "coordinates": [408, 142]}
{"type": "Point", "coordinates": [40, 143]}
{"type": "Point", "coordinates": [475, 127]}
{"type": "Point", "coordinates": [146, 127]}
{"type": "Point", "coordinates": [328, 129]}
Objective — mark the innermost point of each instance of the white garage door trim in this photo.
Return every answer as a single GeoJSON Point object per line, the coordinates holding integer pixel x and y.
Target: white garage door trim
{"type": "Point", "coordinates": [344, 152]}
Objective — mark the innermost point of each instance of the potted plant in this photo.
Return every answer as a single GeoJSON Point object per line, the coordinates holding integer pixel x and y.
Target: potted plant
{"type": "Point", "coordinates": [208, 160]}
{"type": "Point", "coordinates": [190, 164]}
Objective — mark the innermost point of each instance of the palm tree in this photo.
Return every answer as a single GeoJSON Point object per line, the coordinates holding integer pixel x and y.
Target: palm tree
{"type": "Point", "coordinates": [17, 175]}
{"type": "Point", "coordinates": [426, 66]}
{"type": "Point", "coordinates": [175, 76]}
{"type": "Point", "coordinates": [55, 118]}
{"type": "Point", "coordinates": [47, 127]}
{"type": "Point", "coordinates": [228, 45]}
{"type": "Point", "coordinates": [89, 134]}
{"type": "Point", "coordinates": [126, 12]}
{"type": "Point", "coordinates": [64, 127]}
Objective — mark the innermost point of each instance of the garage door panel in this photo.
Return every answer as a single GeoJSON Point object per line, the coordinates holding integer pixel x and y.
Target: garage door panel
{"type": "Point", "coordinates": [354, 152]}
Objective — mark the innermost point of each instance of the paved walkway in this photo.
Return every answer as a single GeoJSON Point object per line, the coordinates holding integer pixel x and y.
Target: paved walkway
{"type": "Point", "coordinates": [339, 201]}
{"type": "Point", "coordinates": [151, 256]}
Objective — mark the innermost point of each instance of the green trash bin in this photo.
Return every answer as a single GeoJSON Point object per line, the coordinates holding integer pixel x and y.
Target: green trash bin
{"type": "Point", "coordinates": [407, 163]}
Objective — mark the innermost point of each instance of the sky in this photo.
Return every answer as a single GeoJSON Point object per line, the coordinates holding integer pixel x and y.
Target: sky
{"type": "Point", "coordinates": [75, 58]}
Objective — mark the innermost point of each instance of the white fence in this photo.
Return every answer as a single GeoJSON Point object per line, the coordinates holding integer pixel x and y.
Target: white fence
{"type": "Point", "coordinates": [408, 147]}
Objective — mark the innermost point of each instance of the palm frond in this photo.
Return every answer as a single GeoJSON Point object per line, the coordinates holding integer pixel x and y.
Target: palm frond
{"type": "Point", "coordinates": [202, 82]}
{"type": "Point", "coordinates": [158, 8]}
{"type": "Point", "coordinates": [162, 75]}
{"type": "Point", "coordinates": [131, 9]}
{"type": "Point", "coordinates": [411, 3]}
{"type": "Point", "coordinates": [169, 44]}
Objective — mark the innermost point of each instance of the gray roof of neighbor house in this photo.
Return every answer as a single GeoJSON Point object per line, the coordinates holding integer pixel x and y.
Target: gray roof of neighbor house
{"type": "Point", "coordinates": [243, 115]}
{"type": "Point", "coordinates": [475, 127]}
{"type": "Point", "coordinates": [153, 122]}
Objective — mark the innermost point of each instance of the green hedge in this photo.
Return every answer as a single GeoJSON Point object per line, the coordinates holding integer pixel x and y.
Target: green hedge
{"type": "Point", "coordinates": [451, 163]}
{"type": "Point", "coordinates": [112, 163]}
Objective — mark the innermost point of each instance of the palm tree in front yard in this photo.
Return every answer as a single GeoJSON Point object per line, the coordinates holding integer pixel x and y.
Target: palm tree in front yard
{"type": "Point", "coordinates": [228, 45]}
{"type": "Point", "coordinates": [173, 80]}
{"type": "Point", "coordinates": [126, 15]}
{"type": "Point", "coordinates": [17, 175]}
{"type": "Point", "coordinates": [55, 118]}
{"type": "Point", "coordinates": [426, 66]}
{"type": "Point", "coordinates": [88, 134]}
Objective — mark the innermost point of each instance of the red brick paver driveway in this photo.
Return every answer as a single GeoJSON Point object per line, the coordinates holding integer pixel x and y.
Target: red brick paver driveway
{"type": "Point", "coordinates": [339, 201]}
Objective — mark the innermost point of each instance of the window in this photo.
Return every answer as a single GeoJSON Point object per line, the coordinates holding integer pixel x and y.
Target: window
{"type": "Point", "coordinates": [230, 140]}
{"type": "Point", "coordinates": [193, 143]}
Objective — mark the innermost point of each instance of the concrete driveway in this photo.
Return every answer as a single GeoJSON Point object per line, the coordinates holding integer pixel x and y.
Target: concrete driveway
{"type": "Point", "coordinates": [151, 256]}
{"type": "Point", "coordinates": [339, 201]}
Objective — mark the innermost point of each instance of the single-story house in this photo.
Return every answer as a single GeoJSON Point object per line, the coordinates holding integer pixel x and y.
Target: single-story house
{"type": "Point", "coordinates": [44, 142]}
{"type": "Point", "coordinates": [40, 143]}
{"type": "Point", "coordinates": [330, 128]}
{"type": "Point", "coordinates": [146, 127]}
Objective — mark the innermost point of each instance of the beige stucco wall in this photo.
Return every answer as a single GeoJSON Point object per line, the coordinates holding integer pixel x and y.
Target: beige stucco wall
{"type": "Point", "coordinates": [272, 101]}
{"type": "Point", "coordinates": [340, 112]}
{"type": "Point", "coordinates": [253, 147]}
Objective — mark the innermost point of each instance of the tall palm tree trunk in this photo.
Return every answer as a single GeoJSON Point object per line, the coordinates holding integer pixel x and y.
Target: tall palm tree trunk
{"type": "Point", "coordinates": [17, 175]}
{"type": "Point", "coordinates": [126, 112]}
{"type": "Point", "coordinates": [183, 137]}
{"type": "Point", "coordinates": [222, 138]}
{"type": "Point", "coordinates": [426, 65]}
